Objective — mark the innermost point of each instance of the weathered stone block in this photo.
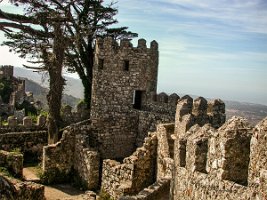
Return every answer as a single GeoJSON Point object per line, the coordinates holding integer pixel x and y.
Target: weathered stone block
{"type": "Point", "coordinates": [41, 121]}
{"type": "Point", "coordinates": [27, 122]}
{"type": "Point", "coordinates": [12, 121]}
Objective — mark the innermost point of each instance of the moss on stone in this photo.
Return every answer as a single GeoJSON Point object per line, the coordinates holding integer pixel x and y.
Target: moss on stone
{"type": "Point", "coordinates": [103, 195]}
{"type": "Point", "coordinates": [4, 171]}
{"type": "Point", "coordinates": [55, 176]}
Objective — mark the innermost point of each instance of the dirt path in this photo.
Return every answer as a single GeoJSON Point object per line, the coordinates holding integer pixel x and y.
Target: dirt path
{"type": "Point", "coordinates": [56, 192]}
{"type": "Point", "coordinates": [63, 192]}
{"type": "Point", "coordinates": [30, 174]}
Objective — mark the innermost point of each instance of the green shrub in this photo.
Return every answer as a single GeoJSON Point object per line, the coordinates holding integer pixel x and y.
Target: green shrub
{"type": "Point", "coordinates": [16, 150]}
{"type": "Point", "coordinates": [4, 171]}
{"type": "Point", "coordinates": [103, 195]}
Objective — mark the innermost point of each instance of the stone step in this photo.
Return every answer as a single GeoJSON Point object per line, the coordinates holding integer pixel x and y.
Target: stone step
{"type": "Point", "coordinates": [29, 174]}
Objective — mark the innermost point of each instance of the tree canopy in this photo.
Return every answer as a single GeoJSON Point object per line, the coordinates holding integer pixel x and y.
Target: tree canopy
{"type": "Point", "coordinates": [90, 19]}
{"type": "Point", "coordinates": [39, 33]}
{"type": "Point", "coordinates": [61, 33]}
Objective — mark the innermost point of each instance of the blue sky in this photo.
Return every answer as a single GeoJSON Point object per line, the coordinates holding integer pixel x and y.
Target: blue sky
{"type": "Point", "coordinates": [209, 48]}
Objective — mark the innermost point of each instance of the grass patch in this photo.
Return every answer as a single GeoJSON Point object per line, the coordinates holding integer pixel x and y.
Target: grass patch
{"type": "Point", "coordinates": [4, 171]}
{"type": "Point", "coordinates": [16, 150]}
{"type": "Point", "coordinates": [103, 195]}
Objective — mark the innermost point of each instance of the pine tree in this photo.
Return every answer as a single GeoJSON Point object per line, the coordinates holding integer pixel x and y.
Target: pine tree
{"type": "Point", "coordinates": [90, 19]}
{"type": "Point", "coordinates": [59, 33]}
{"type": "Point", "coordinates": [39, 34]}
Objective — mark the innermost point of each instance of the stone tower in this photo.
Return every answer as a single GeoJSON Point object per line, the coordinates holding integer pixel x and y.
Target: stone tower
{"type": "Point", "coordinates": [6, 71]}
{"type": "Point", "coordinates": [124, 77]}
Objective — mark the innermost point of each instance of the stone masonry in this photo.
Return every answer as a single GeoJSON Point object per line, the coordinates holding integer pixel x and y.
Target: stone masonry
{"type": "Point", "coordinates": [14, 189]}
{"type": "Point", "coordinates": [29, 143]}
{"type": "Point", "coordinates": [123, 76]}
{"type": "Point", "coordinates": [225, 163]}
{"type": "Point", "coordinates": [126, 151]}
{"type": "Point", "coordinates": [134, 173]}
{"type": "Point", "coordinates": [74, 155]}
{"type": "Point", "coordinates": [13, 161]}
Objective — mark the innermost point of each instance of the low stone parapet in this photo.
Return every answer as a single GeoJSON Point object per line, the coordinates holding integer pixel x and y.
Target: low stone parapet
{"type": "Point", "coordinates": [157, 191]}
{"type": "Point", "coordinates": [29, 143]}
{"type": "Point", "coordinates": [13, 161]}
{"type": "Point", "coordinates": [134, 173]}
{"type": "Point", "coordinates": [13, 189]}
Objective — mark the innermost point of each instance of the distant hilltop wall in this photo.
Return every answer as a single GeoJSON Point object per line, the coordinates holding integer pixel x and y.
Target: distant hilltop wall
{"type": "Point", "coordinates": [6, 71]}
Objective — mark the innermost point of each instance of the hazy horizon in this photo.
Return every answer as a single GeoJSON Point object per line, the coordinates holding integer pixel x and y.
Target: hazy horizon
{"type": "Point", "coordinates": [18, 71]}
{"type": "Point", "coordinates": [207, 48]}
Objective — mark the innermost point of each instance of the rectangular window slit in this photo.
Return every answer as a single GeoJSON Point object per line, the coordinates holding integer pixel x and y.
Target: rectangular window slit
{"type": "Point", "coordinates": [182, 153]}
{"type": "Point", "coordinates": [126, 65]}
{"type": "Point", "coordinates": [137, 99]}
{"type": "Point", "coordinates": [101, 64]}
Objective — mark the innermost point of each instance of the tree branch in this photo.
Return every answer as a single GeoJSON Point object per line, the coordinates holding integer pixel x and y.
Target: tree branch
{"type": "Point", "coordinates": [18, 18]}
{"type": "Point", "coordinates": [24, 28]}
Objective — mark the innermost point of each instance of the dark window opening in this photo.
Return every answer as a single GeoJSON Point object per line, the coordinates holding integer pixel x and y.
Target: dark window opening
{"type": "Point", "coordinates": [126, 65]}
{"type": "Point", "coordinates": [171, 146]}
{"type": "Point", "coordinates": [201, 154]}
{"type": "Point", "coordinates": [137, 103]}
{"type": "Point", "coordinates": [101, 64]}
{"type": "Point", "coordinates": [182, 153]}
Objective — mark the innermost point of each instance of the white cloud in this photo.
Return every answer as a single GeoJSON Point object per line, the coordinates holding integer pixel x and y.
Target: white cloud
{"type": "Point", "coordinates": [246, 15]}
{"type": "Point", "coordinates": [9, 58]}
{"type": "Point", "coordinates": [241, 15]}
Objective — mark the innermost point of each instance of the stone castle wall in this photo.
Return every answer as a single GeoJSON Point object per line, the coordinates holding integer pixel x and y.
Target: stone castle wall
{"type": "Point", "coordinates": [160, 189]}
{"type": "Point", "coordinates": [123, 76]}
{"type": "Point", "coordinates": [29, 143]}
{"type": "Point", "coordinates": [70, 117]}
{"type": "Point", "coordinates": [14, 189]}
{"type": "Point", "coordinates": [74, 154]}
{"type": "Point", "coordinates": [157, 191]}
{"type": "Point", "coordinates": [87, 161]}
{"type": "Point", "coordinates": [19, 95]}
{"type": "Point", "coordinates": [199, 156]}
{"type": "Point", "coordinates": [165, 150]}
{"type": "Point", "coordinates": [225, 163]}
{"type": "Point", "coordinates": [161, 103]}
{"type": "Point", "coordinates": [13, 161]}
{"type": "Point", "coordinates": [135, 172]}
{"type": "Point", "coordinates": [148, 121]}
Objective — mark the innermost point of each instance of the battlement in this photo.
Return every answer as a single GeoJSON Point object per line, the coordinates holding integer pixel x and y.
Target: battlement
{"type": "Point", "coordinates": [111, 44]}
{"type": "Point", "coordinates": [199, 111]}
{"type": "Point", "coordinates": [161, 103]}
{"type": "Point", "coordinates": [164, 98]}
{"type": "Point", "coordinates": [113, 56]}
{"type": "Point", "coordinates": [199, 106]}
{"type": "Point", "coordinates": [233, 156]}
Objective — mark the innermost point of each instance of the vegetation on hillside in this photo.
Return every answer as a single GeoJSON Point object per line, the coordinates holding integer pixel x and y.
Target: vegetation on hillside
{"type": "Point", "coordinates": [39, 94]}
{"type": "Point", "coordinates": [38, 33]}
{"type": "Point", "coordinates": [5, 89]}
